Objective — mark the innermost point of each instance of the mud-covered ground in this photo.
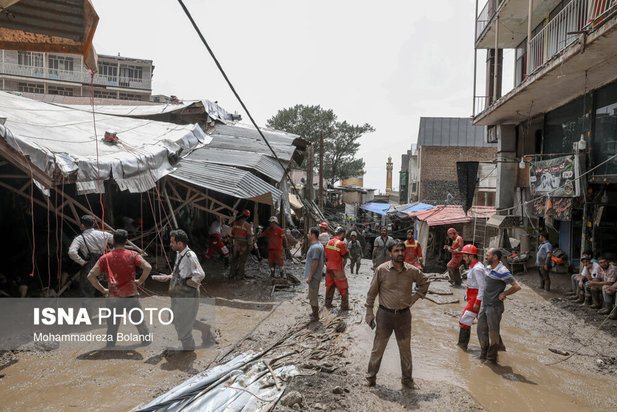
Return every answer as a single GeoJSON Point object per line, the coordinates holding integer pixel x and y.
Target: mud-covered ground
{"type": "Point", "coordinates": [528, 376]}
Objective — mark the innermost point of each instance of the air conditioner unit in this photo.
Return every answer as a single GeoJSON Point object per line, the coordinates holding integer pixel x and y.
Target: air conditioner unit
{"type": "Point", "coordinates": [491, 134]}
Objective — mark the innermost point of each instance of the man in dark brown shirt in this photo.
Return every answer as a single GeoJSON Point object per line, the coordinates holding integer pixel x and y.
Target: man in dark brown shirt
{"type": "Point", "coordinates": [393, 282]}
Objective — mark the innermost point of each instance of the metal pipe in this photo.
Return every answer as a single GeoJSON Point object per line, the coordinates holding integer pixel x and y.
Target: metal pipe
{"type": "Point", "coordinates": [496, 59]}
{"type": "Point", "coordinates": [475, 62]}
{"type": "Point", "coordinates": [321, 194]}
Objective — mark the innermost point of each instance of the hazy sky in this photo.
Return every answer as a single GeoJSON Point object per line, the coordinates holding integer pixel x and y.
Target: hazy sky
{"type": "Point", "coordinates": [384, 63]}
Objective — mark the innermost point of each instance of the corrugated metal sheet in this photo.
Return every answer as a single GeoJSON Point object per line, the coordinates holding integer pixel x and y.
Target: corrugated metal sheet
{"type": "Point", "coordinates": [62, 18]}
{"type": "Point", "coordinates": [227, 180]}
{"type": "Point", "coordinates": [247, 139]}
{"type": "Point", "coordinates": [451, 131]}
{"type": "Point", "coordinates": [255, 161]}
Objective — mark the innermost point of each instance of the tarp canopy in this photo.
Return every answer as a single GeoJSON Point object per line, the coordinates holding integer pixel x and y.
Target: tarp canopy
{"type": "Point", "coordinates": [451, 214]}
{"type": "Point", "coordinates": [413, 207]}
{"type": "Point", "coordinates": [62, 140]}
{"type": "Point", "coordinates": [379, 208]}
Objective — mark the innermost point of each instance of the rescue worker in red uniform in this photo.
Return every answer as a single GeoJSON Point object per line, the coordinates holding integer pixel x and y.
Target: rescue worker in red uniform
{"type": "Point", "coordinates": [216, 244]}
{"type": "Point", "coordinates": [413, 251]}
{"type": "Point", "coordinates": [455, 262]}
{"type": "Point", "coordinates": [336, 255]}
{"type": "Point", "coordinates": [242, 234]}
{"type": "Point", "coordinates": [276, 254]}
{"type": "Point", "coordinates": [475, 289]}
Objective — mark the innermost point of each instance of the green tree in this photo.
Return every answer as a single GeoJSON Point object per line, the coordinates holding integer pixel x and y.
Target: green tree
{"type": "Point", "coordinates": [341, 139]}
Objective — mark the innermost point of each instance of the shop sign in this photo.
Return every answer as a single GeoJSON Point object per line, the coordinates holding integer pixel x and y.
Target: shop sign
{"type": "Point", "coordinates": [557, 177]}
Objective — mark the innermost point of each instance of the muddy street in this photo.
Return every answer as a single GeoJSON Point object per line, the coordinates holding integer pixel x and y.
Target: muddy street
{"type": "Point", "coordinates": [249, 318]}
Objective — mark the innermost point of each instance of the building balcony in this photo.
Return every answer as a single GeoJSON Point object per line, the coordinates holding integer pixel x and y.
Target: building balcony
{"type": "Point", "coordinates": [571, 54]}
{"type": "Point", "coordinates": [74, 76]}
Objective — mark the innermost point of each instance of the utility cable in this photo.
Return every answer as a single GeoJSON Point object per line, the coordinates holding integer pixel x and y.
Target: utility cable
{"type": "Point", "coordinates": [218, 64]}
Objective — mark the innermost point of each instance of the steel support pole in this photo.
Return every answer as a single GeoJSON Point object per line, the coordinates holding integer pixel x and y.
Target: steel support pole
{"type": "Point", "coordinates": [496, 59]}
{"type": "Point", "coordinates": [475, 61]}
{"type": "Point", "coordinates": [529, 30]}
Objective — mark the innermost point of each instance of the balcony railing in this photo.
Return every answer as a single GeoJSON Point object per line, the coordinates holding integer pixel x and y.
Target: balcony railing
{"type": "Point", "coordinates": [485, 16]}
{"type": "Point", "coordinates": [75, 76]}
{"type": "Point", "coordinates": [598, 9]}
{"type": "Point", "coordinates": [558, 34]}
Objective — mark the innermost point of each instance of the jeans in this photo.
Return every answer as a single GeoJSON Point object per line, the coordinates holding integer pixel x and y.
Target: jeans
{"type": "Point", "coordinates": [609, 300]}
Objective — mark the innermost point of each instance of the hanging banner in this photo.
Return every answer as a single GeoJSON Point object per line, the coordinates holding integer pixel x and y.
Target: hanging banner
{"type": "Point", "coordinates": [560, 208]}
{"type": "Point", "coordinates": [558, 177]}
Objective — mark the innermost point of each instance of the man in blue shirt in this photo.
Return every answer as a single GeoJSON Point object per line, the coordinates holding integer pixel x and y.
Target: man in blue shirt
{"type": "Point", "coordinates": [543, 259]}
{"type": "Point", "coordinates": [313, 270]}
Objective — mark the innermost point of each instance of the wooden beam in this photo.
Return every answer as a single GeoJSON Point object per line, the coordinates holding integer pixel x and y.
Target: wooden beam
{"type": "Point", "coordinates": [17, 159]}
{"type": "Point", "coordinates": [171, 209]}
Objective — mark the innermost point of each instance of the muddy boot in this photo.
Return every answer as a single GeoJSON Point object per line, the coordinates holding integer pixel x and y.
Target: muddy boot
{"type": "Point", "coordinates": [613, 314]}
{"type": "Point", "coordinates": [588, 301]}
{"type": "Point", "coordinates": [329, 304]}
{"type": "Point", "coordinates": [345, 303]}
{"type": "Point", "coordinates": [595, 297]}
{"type": "Point", "coordinates": [463, 338]}
{"type": "Point", "coordinates": [547, 286]}
{"type": "Point", "coordinates": [541, 284]}
{"type": "Point", "coordinates": [576, 296]}
{"type": "Point", "coordinates": [315, 315]}
{"type": "Point", "coordinates": [491, 356]}
{"type": "Point", "coordinates": [272, 272]}
{"type": "Point", "coordinates": [581, 297]}
{"type": "Point", "coordinates": [607, 309]}
{"type": "Point", "coordinates": [501, 347]}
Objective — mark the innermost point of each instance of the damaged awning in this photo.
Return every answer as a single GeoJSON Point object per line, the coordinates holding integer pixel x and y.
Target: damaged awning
{"type": "Point", "coordinates": [66, 26]}
{"type": "Point", "coordinates": [452, 214]}
{"type": "Point", "coordinates": [379, 208]}
{"type": "Point", "coordinates": [61, 143]}
{"type": "Point", "coordinates": [227, 180]}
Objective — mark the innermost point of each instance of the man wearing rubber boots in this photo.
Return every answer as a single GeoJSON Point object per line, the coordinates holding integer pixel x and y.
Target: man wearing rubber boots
{"type": "Point", "coordinates": [496, 278]}
{"type": "Point", "coordinates": [184, 285]}
{"type": "Point", "coordinates": [276, 254]}
{"type": "Point", "coordinates": [355, 252]}
{"type": "Point", "coordinates": [393, 282]}
{"type": "Point", "coordinates": [242, 233]}
{"type": "Point", "coordinates": [336, 255]}
{"type": "Point", "coordinates": [475, 289]}
{"type": "Point", "coordinates": [455, 262]}
{"type": "Point", "coordinates": [413, 251]}
{"type": "Point", "coordinates": [543, 259]}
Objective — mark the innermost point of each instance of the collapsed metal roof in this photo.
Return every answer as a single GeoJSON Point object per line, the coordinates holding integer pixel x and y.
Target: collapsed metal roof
{"type": "Point", "coordinates": [227, 180]}
{"type": "Point", "coordinates": [451, 131]}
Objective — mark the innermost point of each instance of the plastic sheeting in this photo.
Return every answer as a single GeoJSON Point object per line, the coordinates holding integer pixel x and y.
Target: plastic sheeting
{"type": "Point", "coordinates": [379, 208]}
{"type": "Point", "coordinates": [243, 384]}
{"type": "Point", "coordinates": [61, 139]}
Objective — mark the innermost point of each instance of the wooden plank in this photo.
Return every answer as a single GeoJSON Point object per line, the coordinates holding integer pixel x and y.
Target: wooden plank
{"type": "Point", "coordinates": [18, 160]}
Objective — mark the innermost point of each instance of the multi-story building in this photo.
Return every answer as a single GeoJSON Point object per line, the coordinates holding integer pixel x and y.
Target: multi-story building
{"type": "Point", "coordinates": [557, 127]}
{"type": "Point", "coordinates": [65, 74]}
{"type": "Point", "coordinates": [431, 168]}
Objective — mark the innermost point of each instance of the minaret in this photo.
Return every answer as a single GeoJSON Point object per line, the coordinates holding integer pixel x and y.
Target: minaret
{"type": "Point", "coordinates": [389, 176]}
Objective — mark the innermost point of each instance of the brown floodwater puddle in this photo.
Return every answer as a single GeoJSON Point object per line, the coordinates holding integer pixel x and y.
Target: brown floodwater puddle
{"type": "Point", "coordinates": [521, 380]}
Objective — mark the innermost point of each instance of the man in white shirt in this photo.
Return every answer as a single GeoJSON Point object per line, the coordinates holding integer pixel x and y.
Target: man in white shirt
{"type": "Point", "coordinates": [86, 249]}
{"type": "Point", "coordinates": [185, 282]}
{"type": "Point", "coordinates": [215, 243]}
{"type": "Point", "coordinates": [589, 272]}
{"type": "Point", "coordinates": [475, 290]}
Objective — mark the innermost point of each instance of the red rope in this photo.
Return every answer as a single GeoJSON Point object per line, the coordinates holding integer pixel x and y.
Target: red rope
{"type": "Point", "coordinates": [31, 197]}
{"type": "Point", "coordinates": [98, 167]}
{"type": "Point", "coordinates": [160, 235]}
{"type": "Point", "coordinates": [61, 229]}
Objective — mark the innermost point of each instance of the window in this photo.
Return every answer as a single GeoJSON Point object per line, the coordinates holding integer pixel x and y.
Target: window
{"type": "Point", "coordinates": [31, 88]}
{"type": "Point", "coordinates": [30, 59]}
{"type": "Point", "coordinates": [129, 72]}
{"type": "Point", "coordinates": [521, 62]}
{"type": "Point", "coordinates": [59, 63]}
{"type": "Point", "coordinates": [104, 94]}
{"type": "Point", "coordinates": [565, 125]}
{"type": "Point", "coordinates": [109, 70]}
{"type": "Point", "coordinates": [59, 90]}
{"type": "Point", "coordinates": [130, 96]}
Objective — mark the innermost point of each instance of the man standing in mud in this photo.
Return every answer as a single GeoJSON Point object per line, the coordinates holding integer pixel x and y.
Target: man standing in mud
{"type": "Point", "coordinates": [184, 288]}
{"type": "Point", "coordinates": [381, 246]}
{"type": "Point", "coordinates": [86, 249]}
{"type": "Point", "coordinates": [475, 290]}
{"type": "Point", "coordinates": [336, 256]}
{"type": "Point", "coordinates": [355, 252]}
{"type": "Point", "coordinates": [455, 262]}
{"type": "Point", "coordinates": [496, 279]}
{"type": "Point", "coordinates": [242, 233]}
{"type": "Point", "coordinates": [393, 282]}
{"type": "Point", "coordinates": [313, 269]}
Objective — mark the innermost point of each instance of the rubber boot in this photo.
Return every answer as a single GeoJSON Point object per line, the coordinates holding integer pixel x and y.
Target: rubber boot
{"type": "Point", "coordinates": [345, 303]}
{"type": "Point", "coordinates": [547, 286]}
{"type": "Point", "coordinates": [491, 355]}
{"type": "Point", "coordinates": [329, 304]}
{"type": "Point", "coordinates": [576, 296]}
{"type": "Point", "coordinates": [315, 315]}
{"type": "Point", "coordinates": [541, 284]}
{"type": "Point", "coordinates": [606, 310]}
{"type": "Point", "coordinates": [613, 314]}
{"type": "Point", "coordinates": [595, 297]}
{"type": "Point", "coordinates": [463, 338]}
{"type": "Point", "coordinates": [272, 271]}
{"type": "Point", "coordinates": [502, 347]}
{"type": "Point", "coordinates": [588, 301]}
{"type": "Point", "coordinates": [581, 296]}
